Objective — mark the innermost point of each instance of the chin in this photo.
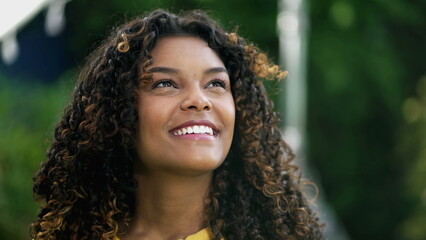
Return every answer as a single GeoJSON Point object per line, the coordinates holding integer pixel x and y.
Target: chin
{"type": "Point", "coordinates": [198, 165]}
{"type": "Point", "coordinates": [204, 165]}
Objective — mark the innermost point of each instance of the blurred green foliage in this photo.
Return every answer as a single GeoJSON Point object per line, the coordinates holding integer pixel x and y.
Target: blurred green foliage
{"type": "Point", "coordinates": [365, 58]}
{"type": "Point", "coordinates": [413, 148]}
{"type": "Point", "coordinates": [367, 106]}
{"type": "Point", "coordinates": [28, 112]}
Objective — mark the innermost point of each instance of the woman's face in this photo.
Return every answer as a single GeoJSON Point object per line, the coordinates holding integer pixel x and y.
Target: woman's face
{"type": "Point", "coordinates": [187, 112]}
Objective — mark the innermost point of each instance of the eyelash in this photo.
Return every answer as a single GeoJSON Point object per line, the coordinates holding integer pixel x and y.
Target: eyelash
{"type": "Point", "coordinates": [221, 83]}
{"type": "Point", "coordinates": [164, 81]}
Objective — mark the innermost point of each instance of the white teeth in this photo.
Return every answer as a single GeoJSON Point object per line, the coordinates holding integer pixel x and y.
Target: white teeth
{"type": "Point", "coordinates": [194, 129]}
{"type": "Point", "coordinates": [189, 130]}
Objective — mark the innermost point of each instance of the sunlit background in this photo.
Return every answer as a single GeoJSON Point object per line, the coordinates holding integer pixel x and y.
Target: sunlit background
{"type": "Point", "coordinates": [353, 105]}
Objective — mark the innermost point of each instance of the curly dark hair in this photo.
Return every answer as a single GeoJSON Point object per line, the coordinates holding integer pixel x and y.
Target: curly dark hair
{"type": "Point", "coordinates": [87, 182]}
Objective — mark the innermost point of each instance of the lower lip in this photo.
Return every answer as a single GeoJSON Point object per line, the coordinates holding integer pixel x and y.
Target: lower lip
{"type": "Point", "coordinates": [197, 137]}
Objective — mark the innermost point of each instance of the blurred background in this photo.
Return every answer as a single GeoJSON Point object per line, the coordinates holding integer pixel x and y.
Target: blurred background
{"type": "Point", "coordinates": [353, 106]}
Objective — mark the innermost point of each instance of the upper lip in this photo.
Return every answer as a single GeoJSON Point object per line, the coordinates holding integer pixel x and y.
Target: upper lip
{"type": "Point", "coordinates": [198, 123]}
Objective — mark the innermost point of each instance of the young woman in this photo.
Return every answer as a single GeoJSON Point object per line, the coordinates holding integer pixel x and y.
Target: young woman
{"type": "Point", "coordinates": [170, 135]}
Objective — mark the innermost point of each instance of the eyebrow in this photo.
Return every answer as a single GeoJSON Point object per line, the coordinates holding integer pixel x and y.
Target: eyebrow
{"type": "Point", "coordinates": [216, 70]}
{"type": "Point", "coordinates": [176, 71]}
{"type": "Point", "coordinates": [163, 70]}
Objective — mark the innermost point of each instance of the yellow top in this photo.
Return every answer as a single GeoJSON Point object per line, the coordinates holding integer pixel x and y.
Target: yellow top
{"type": "Point", "coordinates": [203, 234]}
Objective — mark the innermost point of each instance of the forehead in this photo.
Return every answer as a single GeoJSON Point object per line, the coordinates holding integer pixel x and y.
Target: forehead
{"type": "Point", "coordinates": [184, 51]}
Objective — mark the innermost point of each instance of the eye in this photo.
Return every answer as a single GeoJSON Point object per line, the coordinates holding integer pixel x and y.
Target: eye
{"type": "Point", "coordinates": [217, 83]}
{"type": "Point", "coordinates": [165, 83]}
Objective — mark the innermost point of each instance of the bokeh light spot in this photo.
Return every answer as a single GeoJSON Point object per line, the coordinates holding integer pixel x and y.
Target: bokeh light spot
{"type": "Point", "coordinates": [411, 110]}
{"type": "Point", "coordinates": [342, 14]}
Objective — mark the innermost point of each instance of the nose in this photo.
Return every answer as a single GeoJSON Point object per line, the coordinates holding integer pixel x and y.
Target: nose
{"type": "Point", "coordinates": [196, 100]}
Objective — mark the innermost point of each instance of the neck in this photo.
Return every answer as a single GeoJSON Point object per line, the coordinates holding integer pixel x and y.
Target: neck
{"type": "Point", "coordinates": [170, 206]}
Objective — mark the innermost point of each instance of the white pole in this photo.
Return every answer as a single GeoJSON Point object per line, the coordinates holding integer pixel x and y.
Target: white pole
{"type": "Point", "coordinates": [293, 35]}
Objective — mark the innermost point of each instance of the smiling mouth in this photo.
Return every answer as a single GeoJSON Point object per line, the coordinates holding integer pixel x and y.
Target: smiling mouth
{"type": "Point", "coordinates": [195, 129]}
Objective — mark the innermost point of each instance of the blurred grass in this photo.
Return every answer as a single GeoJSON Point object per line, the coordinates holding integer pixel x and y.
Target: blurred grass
{"type": "Point", "coordinates": [28, 112]}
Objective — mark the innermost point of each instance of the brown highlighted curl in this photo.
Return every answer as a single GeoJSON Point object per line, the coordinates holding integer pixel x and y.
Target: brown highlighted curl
{"type": "Point", "coordinates": [87, 183]}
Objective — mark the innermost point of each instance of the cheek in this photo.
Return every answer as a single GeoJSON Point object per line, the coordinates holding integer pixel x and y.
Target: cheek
{"type": "Point", "coordinates": [150, 119]}
{"type": "Point", "coordinates": [144, 118]}
{"type": "Point", "coordinates": [151, 111]}
{"type": "Point", "coordinates": [229, 112]}
{"type": "Point", "coordinates": [227, 115]}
